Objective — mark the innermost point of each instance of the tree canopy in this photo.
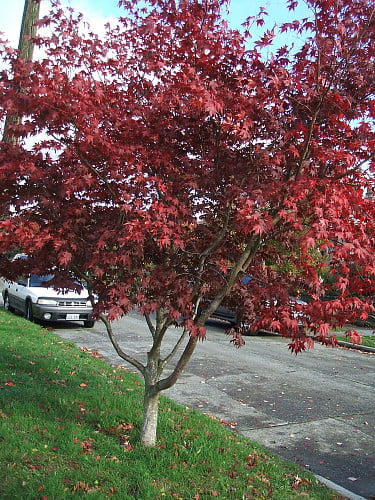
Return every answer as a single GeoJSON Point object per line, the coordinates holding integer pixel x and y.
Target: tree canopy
{"type": "Point", "coordinates": [169, 157]}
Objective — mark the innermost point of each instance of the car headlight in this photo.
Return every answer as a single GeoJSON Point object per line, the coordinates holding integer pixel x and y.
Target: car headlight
{"type": "Point", "coordinates": [47, 302]}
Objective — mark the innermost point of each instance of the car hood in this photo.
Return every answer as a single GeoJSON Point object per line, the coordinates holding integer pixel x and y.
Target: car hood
{"type": "Point", "coordinates": [42, 291]}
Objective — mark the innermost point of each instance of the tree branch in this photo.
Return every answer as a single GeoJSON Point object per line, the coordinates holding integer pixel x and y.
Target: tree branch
{"type": "Point", "coordinates": [159, 335]}
{"type": "Point", "coordinates": [354, 169]}
{"type": "Point", "coordinates": [92, 168]}
{"type": "Point", "coordinates": [182, 362]}
{"type": "Point", "coordinates": [166, 360]}
{"type": "Point", "coordinates": [211, 248]}
{"type": "Point", "coordinates": [241, 266]}
{"type": "Point", "coordinates": [150, 325]}
{"type": "Point", "coordinates": [120, 352]}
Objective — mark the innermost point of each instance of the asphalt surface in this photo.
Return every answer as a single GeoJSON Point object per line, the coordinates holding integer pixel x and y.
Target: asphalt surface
{"type": "Point", "coordinates": [315, 409]}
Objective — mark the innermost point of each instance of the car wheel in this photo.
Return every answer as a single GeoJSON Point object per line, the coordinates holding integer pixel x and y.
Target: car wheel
{"type": "Point", "coordinates": [252, 333]}
{"type": "Point", "coordinates": [89, 323]}
{"type": "Point", "coordinates": [29, 311]}
{"type": "Point", "coordinates": [7, 305]}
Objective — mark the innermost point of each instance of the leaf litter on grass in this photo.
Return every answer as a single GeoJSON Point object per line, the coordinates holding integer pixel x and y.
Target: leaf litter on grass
{"type": "Point", "coordinates": [69, 440]}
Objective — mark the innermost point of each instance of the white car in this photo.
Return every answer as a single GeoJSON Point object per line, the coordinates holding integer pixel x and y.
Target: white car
{"type": "Point", "coordinates": [33, 297]}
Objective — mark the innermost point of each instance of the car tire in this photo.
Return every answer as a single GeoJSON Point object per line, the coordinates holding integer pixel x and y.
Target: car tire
{"type": "Point", "coordinates": [252, 333]}
{"type": "Point", "coordinates": [29, 311]}
{"type": "Point", "coordinates": [89, 323]}
{"type": "Point", "coordinates": [7, 305]}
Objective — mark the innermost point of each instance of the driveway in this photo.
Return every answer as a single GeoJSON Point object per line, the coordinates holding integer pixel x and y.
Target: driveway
{"type": "Point", "coordinates": [316, 409]}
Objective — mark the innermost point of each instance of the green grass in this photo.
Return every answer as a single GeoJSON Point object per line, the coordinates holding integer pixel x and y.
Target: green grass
{"type": "Point", "coordinates": [69, 427]}
{"type": "Point", "coordinates": [367, 340]}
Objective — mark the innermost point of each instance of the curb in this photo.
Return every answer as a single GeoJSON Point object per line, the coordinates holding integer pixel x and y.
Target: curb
{"type": "Point", "coordinates": [338, 489]}
{"type": "Point", "coordinates": [357, 347]}
{"type": "Point", "coordinates": [350, 345]}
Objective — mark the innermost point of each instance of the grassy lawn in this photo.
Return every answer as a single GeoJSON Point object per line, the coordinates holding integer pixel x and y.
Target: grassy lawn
{"type": "Point", "coordinates": [367, 340]}
{"type": "Point", "coordinates": [69, 425]}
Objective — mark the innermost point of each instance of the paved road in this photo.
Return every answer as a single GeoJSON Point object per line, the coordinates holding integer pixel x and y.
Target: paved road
{"type": "Point", "coordinates": [316, 409]}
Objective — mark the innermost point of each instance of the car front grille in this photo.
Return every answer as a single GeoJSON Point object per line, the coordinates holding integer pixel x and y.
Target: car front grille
{"type": "Point", "coordinates": [72, 303]}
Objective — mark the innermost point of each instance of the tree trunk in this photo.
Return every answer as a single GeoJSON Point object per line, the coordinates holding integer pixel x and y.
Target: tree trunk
{"type": "Point", "coordinates": [150, 417]}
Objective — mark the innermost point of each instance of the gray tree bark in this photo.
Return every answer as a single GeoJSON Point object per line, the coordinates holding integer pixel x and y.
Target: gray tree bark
{"type": "Point", "coordinates": [150, 418]}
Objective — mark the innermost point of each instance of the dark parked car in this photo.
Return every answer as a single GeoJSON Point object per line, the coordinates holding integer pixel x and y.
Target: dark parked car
{"type": "Point", "coordinates": [227, 314]}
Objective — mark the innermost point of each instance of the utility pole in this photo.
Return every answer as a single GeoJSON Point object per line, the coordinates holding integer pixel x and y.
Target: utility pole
{"type": "Point", "coordinates": [26, 48]}
{"type": "Point", "coordinates": [28, 28]}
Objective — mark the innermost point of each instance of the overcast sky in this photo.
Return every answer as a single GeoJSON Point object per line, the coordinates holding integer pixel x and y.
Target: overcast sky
{"type": "Point", "coordinates": [99, 11]}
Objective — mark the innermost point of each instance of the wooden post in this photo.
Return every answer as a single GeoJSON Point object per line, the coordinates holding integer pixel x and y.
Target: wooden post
{"type": "Point", "coordinates": [26, 48]}
{"type": "Point", "coordinates": [28, 28]}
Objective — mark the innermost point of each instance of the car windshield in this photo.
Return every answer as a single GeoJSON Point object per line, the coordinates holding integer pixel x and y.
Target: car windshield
{"type": "Point", "coordinates": [246, 279]}
{"type": "Point", "coordinates": [40, 280]}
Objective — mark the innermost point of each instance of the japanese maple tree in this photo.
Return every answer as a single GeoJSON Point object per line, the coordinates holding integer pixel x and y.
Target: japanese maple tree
{"type": "Point", "coordinates": [168, 158]}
